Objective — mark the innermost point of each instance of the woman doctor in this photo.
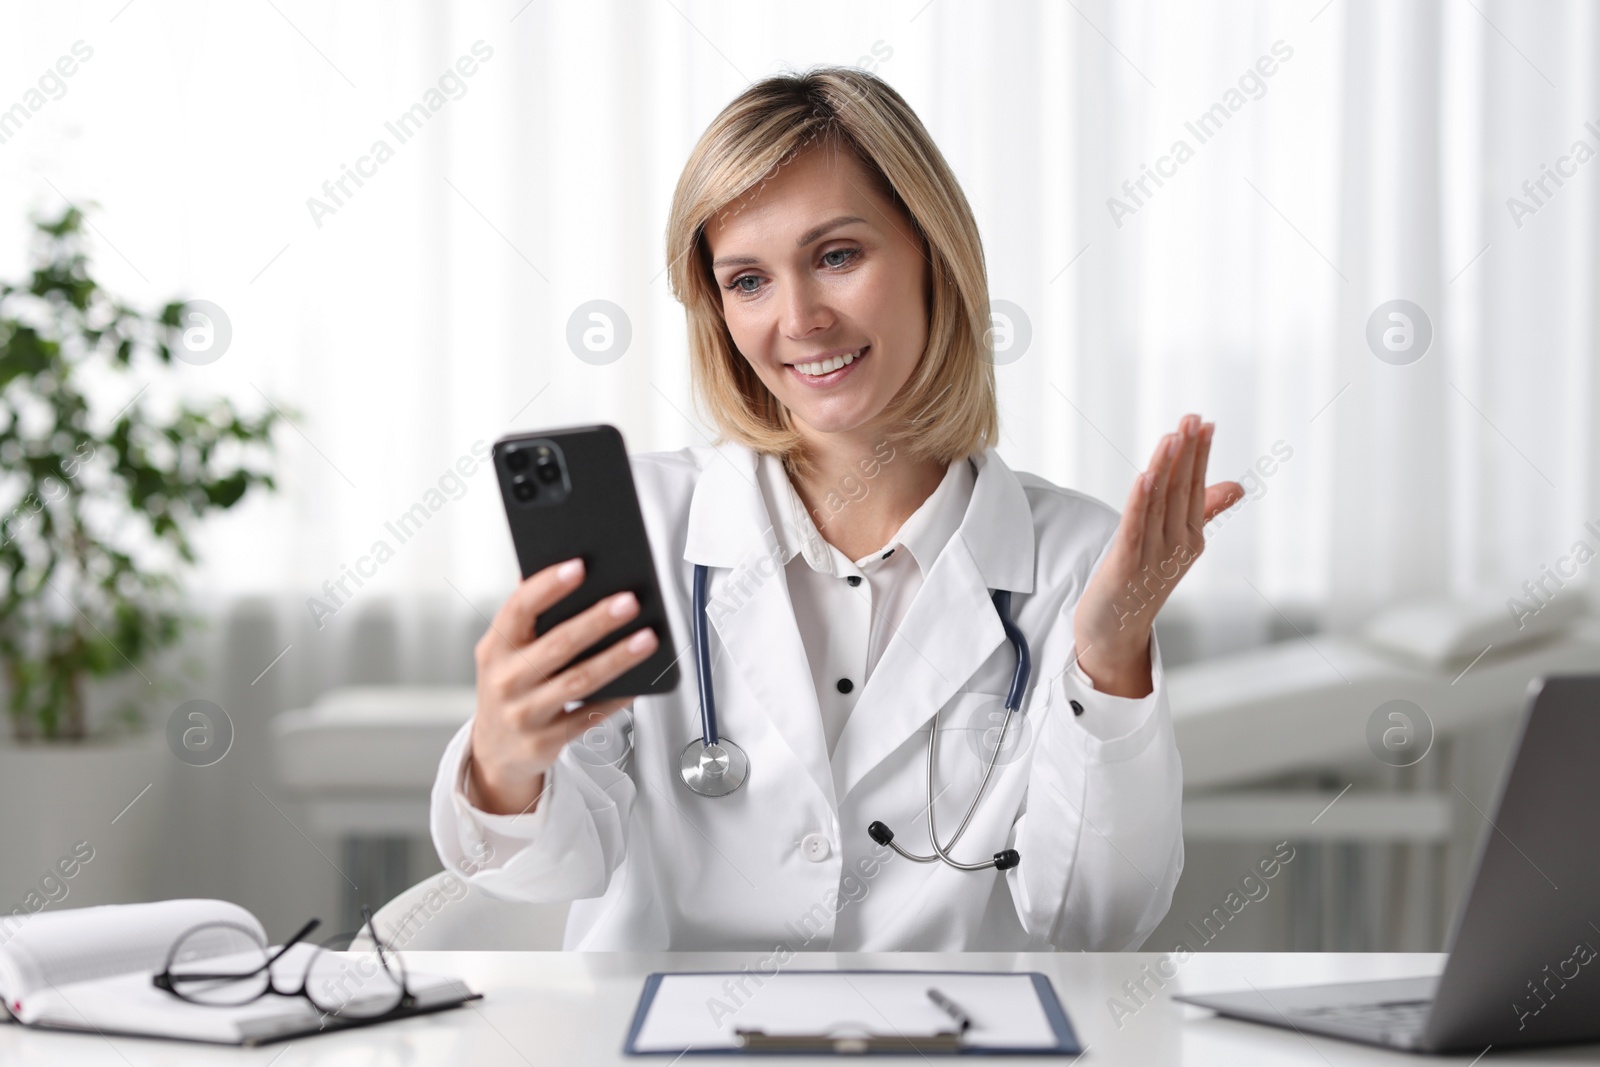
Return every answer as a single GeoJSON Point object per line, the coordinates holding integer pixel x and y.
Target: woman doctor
{"type": "Point", "coordinates": [854, 520]}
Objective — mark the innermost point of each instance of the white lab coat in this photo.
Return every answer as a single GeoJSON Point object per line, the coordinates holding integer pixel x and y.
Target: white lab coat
{"type": "Point", "coordinates": [1092, 801]}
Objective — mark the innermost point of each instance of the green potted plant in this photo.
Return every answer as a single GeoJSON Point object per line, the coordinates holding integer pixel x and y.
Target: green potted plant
{"type": "Point", "coordinates": [97, 512]}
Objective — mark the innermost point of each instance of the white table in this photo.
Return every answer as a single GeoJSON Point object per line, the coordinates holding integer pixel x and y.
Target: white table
{"type": "Point", "coordinates": [574, 1008]}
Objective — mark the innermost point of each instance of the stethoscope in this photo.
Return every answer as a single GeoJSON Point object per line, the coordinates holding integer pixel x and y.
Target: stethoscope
{"type": "Point", "coordinates": [713, 766]}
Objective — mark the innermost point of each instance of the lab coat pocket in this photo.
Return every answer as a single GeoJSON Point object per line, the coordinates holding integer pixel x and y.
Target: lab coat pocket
{"type": "Point", "coordinates": [973, 731]}
{"type": "Point", "coordinates": [979, 720]}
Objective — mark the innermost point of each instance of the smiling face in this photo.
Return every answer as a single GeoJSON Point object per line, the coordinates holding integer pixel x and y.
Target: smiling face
{"type": "Point", "coordinates": [823, 282]}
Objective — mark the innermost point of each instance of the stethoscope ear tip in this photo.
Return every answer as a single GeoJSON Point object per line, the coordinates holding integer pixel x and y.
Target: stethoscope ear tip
{"type": "Point", "coordinates": [1006, 859]}
{"type": "Point", "coordinates": [880, 833]}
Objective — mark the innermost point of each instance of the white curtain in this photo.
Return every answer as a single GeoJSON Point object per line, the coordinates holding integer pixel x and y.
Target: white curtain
{"type": "Point", "coordinates": [426, 308]}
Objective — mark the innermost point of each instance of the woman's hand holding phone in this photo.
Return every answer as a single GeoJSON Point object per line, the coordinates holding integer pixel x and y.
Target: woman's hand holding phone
{"type": "Point", "coordinates": [524, 684]}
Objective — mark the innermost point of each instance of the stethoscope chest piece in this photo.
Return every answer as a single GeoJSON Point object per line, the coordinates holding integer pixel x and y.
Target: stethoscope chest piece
{"type": "Point", "coordinates": [713, 770]}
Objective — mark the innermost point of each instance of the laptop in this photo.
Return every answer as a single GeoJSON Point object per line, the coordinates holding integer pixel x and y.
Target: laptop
{"type": "Point", "coordinates": [1524, 952]}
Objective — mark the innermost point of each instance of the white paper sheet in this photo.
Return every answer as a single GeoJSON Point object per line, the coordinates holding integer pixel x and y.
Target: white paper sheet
{"type": "Point", "coordinates": [55, 948]}
{"type": "Point", "coordinates": [702, 1011]}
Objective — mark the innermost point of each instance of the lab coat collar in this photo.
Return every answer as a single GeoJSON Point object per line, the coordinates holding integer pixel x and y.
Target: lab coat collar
{"type": "Point", "coordinates": [728, 519]}
{"type": "Point", "coordinates": [749, 607]}
{"type": "Point", "coordinates": [924, 664]}
{"type": "Point", "coordinates": [924, 534]}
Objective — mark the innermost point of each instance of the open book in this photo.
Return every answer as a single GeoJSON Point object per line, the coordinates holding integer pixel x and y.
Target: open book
{"type": "Point", "coordinates": [91, 969]}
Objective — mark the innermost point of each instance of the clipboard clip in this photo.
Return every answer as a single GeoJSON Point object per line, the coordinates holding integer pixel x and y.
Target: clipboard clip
{"type": "Point", "coordinates": [943, 1041]}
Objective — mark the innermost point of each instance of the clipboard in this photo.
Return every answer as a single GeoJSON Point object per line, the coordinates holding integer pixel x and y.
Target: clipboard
{"type": "Point", "coordinates": [847, 1012]}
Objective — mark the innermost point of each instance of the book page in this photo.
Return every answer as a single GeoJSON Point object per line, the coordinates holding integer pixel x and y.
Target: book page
{"type": "Point", "coordinates": [58, 948]}
{"type": "Point", "coordinates": [132, 1004]}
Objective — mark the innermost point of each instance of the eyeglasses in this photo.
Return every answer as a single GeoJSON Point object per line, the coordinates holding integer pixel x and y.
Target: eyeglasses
{"type": "Point", "coordinates": [224, 964]}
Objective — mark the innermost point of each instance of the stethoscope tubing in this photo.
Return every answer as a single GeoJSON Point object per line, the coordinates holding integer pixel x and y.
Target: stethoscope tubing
{"type": "Point", "coordinates": [702, 659]}
{"type": "Point", "coordinates": [1019, 685]}
{"type": "Point", "coordinates": [710, 736]}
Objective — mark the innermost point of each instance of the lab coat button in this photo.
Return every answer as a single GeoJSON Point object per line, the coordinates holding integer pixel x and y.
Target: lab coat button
{"type": "Point", "coordinates": [815, 847]}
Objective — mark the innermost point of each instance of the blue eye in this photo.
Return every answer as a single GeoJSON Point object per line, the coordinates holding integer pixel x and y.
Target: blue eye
{"type": "Point", "coordinates": [737, 286]}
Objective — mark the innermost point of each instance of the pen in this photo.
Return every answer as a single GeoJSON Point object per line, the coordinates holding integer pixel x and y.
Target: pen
{"type": "Point", "coordinates": [950, 1008]}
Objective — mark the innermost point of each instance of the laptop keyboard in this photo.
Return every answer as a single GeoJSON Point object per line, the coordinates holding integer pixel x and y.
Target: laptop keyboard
{"type": "Point", "coordinates": [1389, 1015]}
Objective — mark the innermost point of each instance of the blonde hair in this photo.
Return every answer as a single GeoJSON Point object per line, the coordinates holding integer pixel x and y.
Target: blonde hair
{"type": "Point", "coordinates": [947, 409]}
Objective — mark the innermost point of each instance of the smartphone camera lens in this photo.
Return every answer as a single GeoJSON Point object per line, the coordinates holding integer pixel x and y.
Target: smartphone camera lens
{"type": "Point", "coordinates": [533, 473]}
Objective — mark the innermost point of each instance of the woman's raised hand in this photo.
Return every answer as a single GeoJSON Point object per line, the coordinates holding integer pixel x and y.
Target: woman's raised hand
{"type": "Point", "coordinates": [524, 685]}
{"type": "Point", "coordinates": [1158, 540]}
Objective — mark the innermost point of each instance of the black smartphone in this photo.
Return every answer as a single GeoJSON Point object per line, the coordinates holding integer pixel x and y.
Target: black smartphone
{"type": "Point", "coordinates": [569, 492]}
